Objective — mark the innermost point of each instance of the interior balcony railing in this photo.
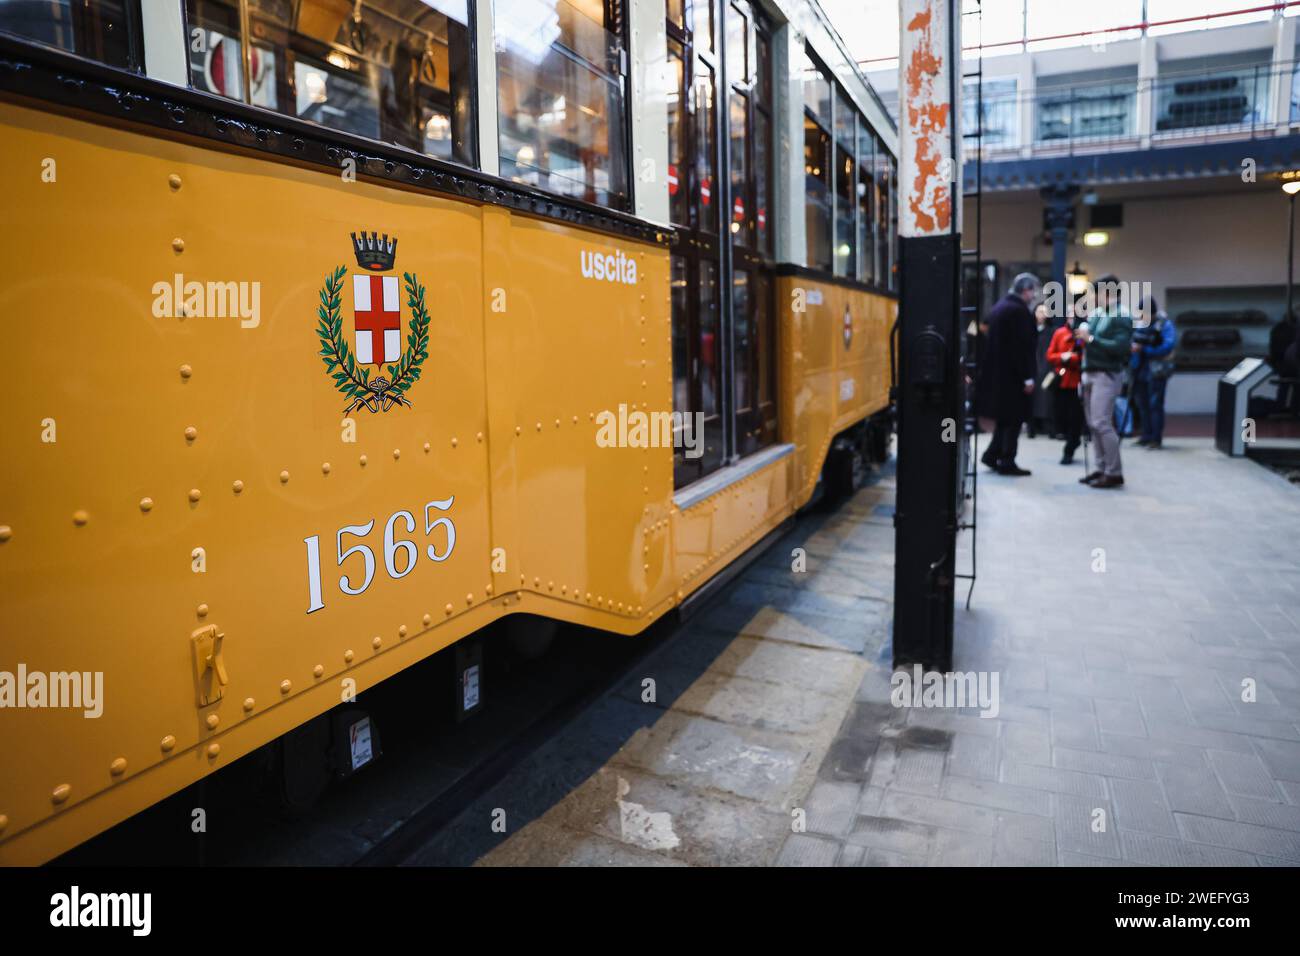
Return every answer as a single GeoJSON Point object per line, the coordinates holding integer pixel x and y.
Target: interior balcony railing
{"type": "Point", "coordinates": [1174, 108]}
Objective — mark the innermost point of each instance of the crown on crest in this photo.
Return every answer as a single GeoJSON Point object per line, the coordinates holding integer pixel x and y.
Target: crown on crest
{"type": "Point", "coordinates": [374, 253]}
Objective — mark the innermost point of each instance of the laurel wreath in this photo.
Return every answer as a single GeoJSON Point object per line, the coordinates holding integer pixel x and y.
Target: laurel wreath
{"type": "Point", "coordinates": [353, 382]}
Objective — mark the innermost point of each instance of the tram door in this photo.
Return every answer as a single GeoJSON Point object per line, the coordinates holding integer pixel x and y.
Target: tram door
{"type": "Point", "coordinates": [720, 100]}
{"type": "Point", "coordinates": [749, 158]}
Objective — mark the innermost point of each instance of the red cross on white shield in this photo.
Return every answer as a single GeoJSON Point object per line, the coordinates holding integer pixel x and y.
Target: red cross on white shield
{"type": "Point", "coordinates": [378, 319]}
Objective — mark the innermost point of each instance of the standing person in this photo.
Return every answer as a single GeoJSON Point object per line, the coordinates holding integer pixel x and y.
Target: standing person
{"type": "Point", "coordinates": [1042, 417]}
{"type": "Point", "coordinates": [1065, 356]}
{"type": "Point", "coordinates": [1107, 336]}
{"type": "Point", "coordinates": [1009, 369]}
{"type": "Point", "coordinates": [1154, 338]}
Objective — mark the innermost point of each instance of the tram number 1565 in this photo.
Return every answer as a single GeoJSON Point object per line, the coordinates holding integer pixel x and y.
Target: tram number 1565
{"type": "Point", "coordinates": [392, 547]}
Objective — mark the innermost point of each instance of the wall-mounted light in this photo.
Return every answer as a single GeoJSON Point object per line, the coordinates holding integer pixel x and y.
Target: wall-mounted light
{"type": "Point", "coordinates": [1291, 187]}
{"type": "Point", "coordinates": [1096, 237]}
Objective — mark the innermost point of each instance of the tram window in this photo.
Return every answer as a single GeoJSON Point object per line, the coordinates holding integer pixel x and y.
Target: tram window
{"type": "Point", "coordinates": [675, 10]}
{"type": "Point", "coordinates": [866, 192]}
{"type": "Point", "coordinates": [705, 149]}
{"type": "Point", "coordinates": [893, 225]}
{"type": "Point", "coordinates": [681, 337]}
{"type": "Point", "coordinates": [882, 215]}
{"type": "Point", "coordinates": [676, 93]}
{"type": "Point", "coordinates": [765, 329]}
{"type": "Point", "coordinates": [397, 71]}
{"type": "Point", "coordinates": [710, 360]}
{"type": "Point", "coordinates": [846, 258]}
{"type": "Point", "coordinates": [817, 203]}
{"type": "Point", "coordinates": [762, 179]}
{"type": "Point", "coordinates": [560, 97]}
{"type": "Point", "coordinates": [702, 25]}
{"type": "Point", "coordinates": [743, 332]}
{"type": "Point", "coordinates": [103, 30]}
{"type": "Point", "coordinates": [737, 48]}
{"type": "Point", "coordinates": [763, 63]}
{"type": "Point", "coordinates": [741, 215]}
{"type": "Point", "coordinates": [816, 88]}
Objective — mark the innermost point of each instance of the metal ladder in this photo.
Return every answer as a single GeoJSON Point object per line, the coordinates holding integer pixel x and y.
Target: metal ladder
{"type": "Point", "coordinates": [971, 15]}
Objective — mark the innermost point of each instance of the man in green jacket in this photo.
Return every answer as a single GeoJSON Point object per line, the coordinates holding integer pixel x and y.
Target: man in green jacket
{"type": "Point", "coordinates": [1106, 355]}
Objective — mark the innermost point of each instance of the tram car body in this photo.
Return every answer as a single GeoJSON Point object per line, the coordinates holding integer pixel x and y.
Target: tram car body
{"type": "Point", "coordinates": [274, 432]}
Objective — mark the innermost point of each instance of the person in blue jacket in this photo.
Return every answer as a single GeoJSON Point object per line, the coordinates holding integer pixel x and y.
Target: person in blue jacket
{"type": "Point", "coordinates": [1154, 338]}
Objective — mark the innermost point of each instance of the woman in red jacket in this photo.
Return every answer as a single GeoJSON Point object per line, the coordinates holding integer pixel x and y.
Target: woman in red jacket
{"type": "Point", "coordinates": [1065, 357]}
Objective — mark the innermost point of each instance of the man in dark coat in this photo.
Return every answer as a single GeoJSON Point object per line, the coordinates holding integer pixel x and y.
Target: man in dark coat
{"type": "Point", "coordinates": [1010, 369]}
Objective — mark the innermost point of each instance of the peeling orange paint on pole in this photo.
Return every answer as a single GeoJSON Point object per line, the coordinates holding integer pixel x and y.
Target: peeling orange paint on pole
{"type": "Point", "coordinates": [927, 115]}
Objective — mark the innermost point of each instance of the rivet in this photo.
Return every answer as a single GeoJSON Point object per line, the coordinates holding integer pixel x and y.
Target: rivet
{"type": "Point", "coordinates": [575, 419]}
{"type": "Point", "coordinates": [201, 610]}
{"type": "Point", "coordinates": [539, 426]}
{"type": "Point", "coordinates": [537, 582]}
{"type": "Point", "coordinates": [167, 743]}
{"type": "Point", "coordinates": [401, 631]}
{"type": "Point", "coordinates": [61, 793]}
{"type": "Point", "coordinates": [6, 532]}
{"type": "Point", "coordinates": [79, 518]}
{"type": "Point", "coordinates": [376, 642]}
{"type": "Point", "coordinates": [487, 589]}
{"type": "Point", "coordinates": [447, 609]}
{"type": "Point", "coordinates": [249, 703]}
{"type": "Point", "coordinates": [550, 585]}
{"type": "Point", "coordinates": [397, 453]}
{"type": "Point", "coordinates": [645, 567]}
{"type": "Point", "coordinates": [347, 656]}
{"type": "Point", "coordinates": [478, 437]}
{"type": "Point", "coordinates": [428, 619]}
{"type": "Point", "coordinates": [363, 461]}
{"type": "Point", "coordinates": [238, 486]}
{"type": "Point", "coordinates": [117, 767]}
{"type": "Point", "coordinates": [178, 244]}
{"type": "Point", "coordinates": [214, 748]}
{"type": "Point", "coordinates": [518, 430]}
{"type": "Point", "coordinates": [557, 423]}
{"type": "Point", "coordinates": [455, 442]}
{"type": "Point", "coordinates": [522, 580]}
{"type": "Point", "coordinates": [285, 686]}
{"type": "Point", "coordinates": [194, 494]}
{"type": "Point", "coordinates": [212, 721]}
{"type": "Point", "coordinates": [588, 596]}
{"type": "Point", "coordinates": [564, 589]}
{"type": "Point", "coordinates": [317, 671]}
{"type": "Point", "coordinates": [186, 371]}
{"type": "Point", "coordinates": [4, 822]}
{"type": "Point", "coordinates": [191, 433]}
{"type": "Point", "coordinates": [174, 181]}
{"type": "Point", "coordinates": [284, 477]}
{"type": "Point", "coordinates": [325, 468]}
{"type": "Point", "coordinates": [146, 504]}
{"type": "Point", "coordinates": [426, 448]}
{"type": "Point", "coordinates": [469, 598]}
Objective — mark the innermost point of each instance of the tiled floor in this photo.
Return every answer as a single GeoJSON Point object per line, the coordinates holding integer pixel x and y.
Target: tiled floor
{"type": "Point", "coordinates": [1128, 631]}
{"type": "Point", "coordinates": [1147, 642]}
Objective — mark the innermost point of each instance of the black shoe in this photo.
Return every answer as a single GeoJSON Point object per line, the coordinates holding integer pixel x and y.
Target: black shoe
{"type": "Point", "coordinates": [1143, 441]}
{"type": "Point", "coordinates": [1090, 478]}
{"type": "Point", "coordinates": [1153, 443]}
{"type": "Point", "coordinates": [1108, 481]}
{"type": "Point", "coordinates": [1013, 470]}
{"type": "Point", "coordinates": [990, 462]}
{"type": "Point", "coordinates": [1067, 458]}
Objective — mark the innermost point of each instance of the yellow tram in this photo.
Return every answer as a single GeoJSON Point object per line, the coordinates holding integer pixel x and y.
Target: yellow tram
{"type": "Point", "coordinates": [342, 329]}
